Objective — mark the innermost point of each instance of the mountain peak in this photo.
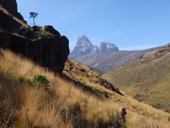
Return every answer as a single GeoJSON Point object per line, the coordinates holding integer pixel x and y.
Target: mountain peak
{"type": "Point", "coordinates": [107, 47]}
{"type": "Point", "coordinates": [83, 36]}
{"type": "Point", "coordinates": [83, 41]}
{"type": "Point", "coordinates": [84, 47]}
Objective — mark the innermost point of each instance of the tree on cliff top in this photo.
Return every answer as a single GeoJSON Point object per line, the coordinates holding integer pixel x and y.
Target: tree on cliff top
{"type": "Point", "coordinates": [33, 15]}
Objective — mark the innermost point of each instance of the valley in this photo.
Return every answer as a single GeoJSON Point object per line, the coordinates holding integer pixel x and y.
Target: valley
{"type": "Point", "coordinates": [42, 87]}
{"type": "Point", "coordinates": [146, 79]}
{"type": "Point", "coordinates": [107, 59]}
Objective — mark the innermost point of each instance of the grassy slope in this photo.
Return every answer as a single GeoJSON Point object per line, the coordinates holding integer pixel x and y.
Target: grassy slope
{"type": "Point", "coordinates": [146, 79]}
{"type": "Point", "coordinates": [97, 70]}
{"type": "Point", "coordinates": [63, 104]}
{"type": "Point", "coordinates": [88, 77]}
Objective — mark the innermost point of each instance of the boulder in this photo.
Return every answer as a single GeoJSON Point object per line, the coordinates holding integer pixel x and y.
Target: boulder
{"type": "Point", "coordinates": [50, 29]}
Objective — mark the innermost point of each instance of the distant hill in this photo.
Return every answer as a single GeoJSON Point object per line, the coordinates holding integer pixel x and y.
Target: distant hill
{"type": "Point", "coordinates": [146, 79]}
{"type": "Point", "coordinates": [106, 58]}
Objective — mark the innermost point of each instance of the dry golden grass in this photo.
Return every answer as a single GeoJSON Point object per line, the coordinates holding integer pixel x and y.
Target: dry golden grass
{"type": "Point", "coordinates": [62, 104]}
{"type": "Point", "coordinates": [146, 79]}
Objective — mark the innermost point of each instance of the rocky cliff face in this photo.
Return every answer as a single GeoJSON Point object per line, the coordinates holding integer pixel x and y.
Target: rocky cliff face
{"type": "Point", "coordinates": [7, 23]}
{"type": "Point", "coordinates": [107, 47]}
{"type": "Point", "coordinates": [84, 47]}
{"type": "Point", "coordinates": [11, 7]}
{"type": "Point", "coordinates": [50, 52]}
{"type": "Point", "coordinates": [12, 21]}
{"type": "Point", "coordinates": [45, 46]}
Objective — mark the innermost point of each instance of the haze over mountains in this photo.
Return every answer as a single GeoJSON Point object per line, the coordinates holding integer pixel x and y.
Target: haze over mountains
{"type": "Point", "coordinates": [104, 57]}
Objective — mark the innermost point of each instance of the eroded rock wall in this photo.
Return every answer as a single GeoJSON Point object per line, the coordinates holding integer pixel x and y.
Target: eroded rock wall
{"type": "Point", "coordinates": [51, 52]}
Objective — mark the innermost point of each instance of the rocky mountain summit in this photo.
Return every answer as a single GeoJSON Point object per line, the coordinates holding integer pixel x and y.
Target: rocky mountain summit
{"type": "Point", "coordinates": [84, 47]}
{"type": "Point", "coordinates": [105, 57]}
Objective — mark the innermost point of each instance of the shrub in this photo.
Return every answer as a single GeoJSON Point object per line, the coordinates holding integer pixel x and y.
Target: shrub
{"type": "Point", "coordinates": [41, 80]}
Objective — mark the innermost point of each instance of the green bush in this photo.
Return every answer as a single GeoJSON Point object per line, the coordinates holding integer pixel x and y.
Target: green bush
{"type": "Point", "coordinates": [41, 80]}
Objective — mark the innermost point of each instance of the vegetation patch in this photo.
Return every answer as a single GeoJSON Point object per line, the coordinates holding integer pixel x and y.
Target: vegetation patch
{"type": "Point", "coordinates": [41, 80]}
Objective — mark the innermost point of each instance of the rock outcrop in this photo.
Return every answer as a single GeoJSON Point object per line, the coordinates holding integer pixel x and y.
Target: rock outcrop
{"type": "Point", "coordinates": [7, 23]}
{"type": "Point", "coordinates": [12, 21]}
{"type": "Point", "coordinates": [11, 7]}
{"type": "Point", "coordinates": [50, 29]}
{"type": "Point", "coordinates": [50, 52]}
{"type": "Point", "coordinates": [45, 46]}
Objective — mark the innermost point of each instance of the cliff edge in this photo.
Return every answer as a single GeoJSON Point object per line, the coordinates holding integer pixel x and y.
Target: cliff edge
{"type": "Point", "coordinates": [43, 45]}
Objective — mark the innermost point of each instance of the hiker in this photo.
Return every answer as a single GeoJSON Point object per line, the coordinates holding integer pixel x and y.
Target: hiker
{"type": "Point", "coordinates": [123, 115]}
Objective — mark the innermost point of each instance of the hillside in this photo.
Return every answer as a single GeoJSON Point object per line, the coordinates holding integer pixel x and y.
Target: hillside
{"type": "Point", "coordinates": [146, 79]}
{"type": "Point", "coordinates": [106, 59]}
{"type": "Point", "coordinates": [41, 88]}
{"type": "Point", "coordinates": [48, 107]}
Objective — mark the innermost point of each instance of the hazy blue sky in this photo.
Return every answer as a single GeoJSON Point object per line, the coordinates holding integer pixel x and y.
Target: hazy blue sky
{"type": "Point", "coordinates": [130, 24]}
